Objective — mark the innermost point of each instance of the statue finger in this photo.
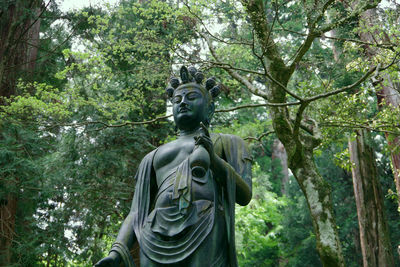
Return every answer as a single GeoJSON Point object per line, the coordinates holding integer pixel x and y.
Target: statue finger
{"type": "Point", "coordinates": [204, 128]}
{"type": "Point", "coordinates": [206, 140]}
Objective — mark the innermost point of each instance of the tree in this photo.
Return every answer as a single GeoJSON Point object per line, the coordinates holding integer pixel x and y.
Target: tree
{"type": "Point", "coordinates": [387, 84]}
{"type": "Point", "coordinates": [76, 138]}
{"type": "Point", "coordinates": [273, 78]}
{"type": "Point", "coordinates": [375, 244]}
{"type": "Point", "coordinates": [374, 235]}
{"type": "Point", "coordinates": [116, 82]}
{"type": "Point", "coordinates": [20, 22]}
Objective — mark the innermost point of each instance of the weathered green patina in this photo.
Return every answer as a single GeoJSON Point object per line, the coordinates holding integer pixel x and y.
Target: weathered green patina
{"type": "Point", "coordinates": [182, 213]}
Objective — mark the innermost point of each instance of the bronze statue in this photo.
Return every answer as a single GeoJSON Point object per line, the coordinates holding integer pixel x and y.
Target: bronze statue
{"type": "Point", "coordinates": [183, 209]}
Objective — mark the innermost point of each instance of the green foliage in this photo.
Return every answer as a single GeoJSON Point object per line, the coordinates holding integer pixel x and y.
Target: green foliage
{"type": "Point", "coordinates": [80, 187]}
{"type": "Point", "coordinates": [258, 225]}
{"type": "Point", "coordinates": [22, 150]}
{"type": "Point", "coordinates": [72, 172]}
{"type": "Point", "coordinates": [93, 174]}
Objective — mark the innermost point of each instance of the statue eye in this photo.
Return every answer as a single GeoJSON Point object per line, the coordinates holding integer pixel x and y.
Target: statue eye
{"type": "Point", "coordinates": [192, 96]}
{"type": "Point", "coordinates": [177, 99]}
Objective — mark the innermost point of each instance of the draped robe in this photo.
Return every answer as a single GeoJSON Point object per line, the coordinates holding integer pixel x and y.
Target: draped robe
{"type": "Point", "coordinates": [230, 148]}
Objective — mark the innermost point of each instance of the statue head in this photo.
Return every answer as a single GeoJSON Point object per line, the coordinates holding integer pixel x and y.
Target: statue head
{"type": "Point", "coordinates": [192, 102]}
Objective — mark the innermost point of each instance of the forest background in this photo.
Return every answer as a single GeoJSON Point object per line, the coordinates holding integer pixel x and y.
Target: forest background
{"type": "Point", "coordinates": [312, 86]}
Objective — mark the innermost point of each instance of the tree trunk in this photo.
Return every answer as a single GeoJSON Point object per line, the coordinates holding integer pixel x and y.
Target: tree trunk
{"type": "Point", "coordinates": [19, 32]}
{"type": "Point", "coordinates": [279, 154]}
{"type": "Point", "coordinates": [374, 235]}
{"type": "Point", "coordinates": [7, 226]}
{"type": "Point", "coordinates": [387, 92]}
{"type": "Point", "coordinates": [299, 145]}
{"type": "Point", "coordinates": [390, 96]}
{"type": "Point", "coordinates": [318, 196]}
{"type": "Point", "coordinates": [300, 152]}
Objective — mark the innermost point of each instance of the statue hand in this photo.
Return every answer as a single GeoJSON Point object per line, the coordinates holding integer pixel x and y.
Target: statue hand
{"type": "Point", "coordinates": [205, 140]}
{"type": "Point", "coordinates": [112, 260]}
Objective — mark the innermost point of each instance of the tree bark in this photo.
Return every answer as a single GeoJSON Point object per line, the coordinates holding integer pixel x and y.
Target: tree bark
{"type": "Point", "coordinates": [7, 228]}
{"type": "Point", "coordinates": [19, 31]}
{"type": "Point", "coordinates": [387, 91]}
{"type": "Point", "coordinates": [19, 34]}
{"type": "Point", "coordinates": [279, 154]}
{"type": "Point", "coordinates": [390, 96]}
{"type": "Point", "coordinates": [299, 145]}
{"type": "Point", "coordinates": [374, 234]}
{"type": "Point", "coordinates": [318, 195]}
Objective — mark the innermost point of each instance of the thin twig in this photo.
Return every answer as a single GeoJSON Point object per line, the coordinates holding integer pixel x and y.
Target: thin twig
{"type": "Point", "coordinates": [343, 89]}
{"type": "Point", "coordinates": [208, 31]}
{"type": "Point", "coordinates": [258, 138]}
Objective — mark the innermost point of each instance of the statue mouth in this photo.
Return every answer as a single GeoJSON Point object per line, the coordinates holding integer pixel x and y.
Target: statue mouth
{"type": "Point", "coordinates": [183, 109]}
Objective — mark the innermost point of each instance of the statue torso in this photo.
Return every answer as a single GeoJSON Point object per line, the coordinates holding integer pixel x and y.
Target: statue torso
{"type": "Point", "coordinates": [170, 155]}
{"type": "Point", "coordinates": [180, 229]}
{"type": "Point", "coordinates": [167, 158]}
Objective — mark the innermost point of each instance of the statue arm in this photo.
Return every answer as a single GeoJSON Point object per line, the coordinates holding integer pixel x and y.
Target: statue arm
{"type": "Point", "coordinates": [223, 170]}
{"type": "Point", "coordinates": [243, 188]}
{"type": "Point", "coordinates": [126, 235]}
{"type": "Point", "coordinates": [120, 250]}
{"type": "Point", "coordinates": [126, 238]}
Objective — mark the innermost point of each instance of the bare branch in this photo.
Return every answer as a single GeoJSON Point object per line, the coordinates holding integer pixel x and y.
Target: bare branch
{"type": "Point", "coordinates": [343, 89]}
{"type": "Point", "coordinates": [259, 105]}
{"type": "Point", "coordinates": [243, 80]}
{"type": "Point", "coordinates": [360, 126]}
{"type": "Point", "coordinates": [227, 65]}
{"type": "Point", "coordinates": [136, 123]}
{"type": "Point", "coordinates": [299, 117]}
{"type": "Point", "coordinates": [322, 36]}
{"type": "Point", "coordinates": [236, 75]}
{"type": "Point", "coordinates": [208, 31]}
{"type": "Point", "coordinates": [355, 13]}
{"type": "Point", "coordinates": [258, 138]}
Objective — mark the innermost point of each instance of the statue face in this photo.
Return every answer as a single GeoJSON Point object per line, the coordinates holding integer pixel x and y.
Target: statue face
{"type": "Point", "coordinates": [190, 107]}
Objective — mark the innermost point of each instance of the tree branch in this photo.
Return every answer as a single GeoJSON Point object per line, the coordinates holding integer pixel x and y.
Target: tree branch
{"type": "Point", "coordinates": [299, 117]}
{"type": "Point", "coordinates": [355, 13]}
{"type": "Point", "coordinates": [243, 80]}
{"type": "Point", "coordinates": [136, 123]}
{"type": "Point", "coordinates": [360, 126]}
{"type": "Point", "coordinates": [236, 75]}
{"type": "Point", "coordinates": [258, 138]}
{"type": "Point", "coordinates": [305, 46]}
{"type": "Point", "coordinates": [208, 31]}
{"type": "Point", "coordinates": [343, 89]}
{"type": "Point", "coordinates": [259, 105]}
{"type": "Point", "coordinates": [256, 11]}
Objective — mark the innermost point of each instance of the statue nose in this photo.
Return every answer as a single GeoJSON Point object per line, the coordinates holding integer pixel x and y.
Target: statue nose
{"type": "Point", "coordinates": [184, 101]}
{"type": "Point", "coordinates": [183, 104]}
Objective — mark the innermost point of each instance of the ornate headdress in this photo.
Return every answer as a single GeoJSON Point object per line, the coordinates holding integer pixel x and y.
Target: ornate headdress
{"type": "Point", "coordinates": [192, 77]}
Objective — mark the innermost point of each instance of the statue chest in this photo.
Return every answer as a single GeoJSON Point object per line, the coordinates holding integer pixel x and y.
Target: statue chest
{"type": "Point", "coordinates": [170, 155]}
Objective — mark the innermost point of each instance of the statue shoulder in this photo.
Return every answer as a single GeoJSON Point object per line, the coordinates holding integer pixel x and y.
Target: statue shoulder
{"type": "Point", "coordinates": [148, 159]}
{"type": "Point", "coordinates": [231, 143]}
{"type": "Point", "coordinates": [220, 137]}
{"type": "Point", "coordinates": [151, 153]}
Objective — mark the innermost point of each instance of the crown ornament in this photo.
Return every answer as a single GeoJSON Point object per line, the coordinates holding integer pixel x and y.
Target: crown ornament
{"type": "Point", "coordinates": [196, 77]}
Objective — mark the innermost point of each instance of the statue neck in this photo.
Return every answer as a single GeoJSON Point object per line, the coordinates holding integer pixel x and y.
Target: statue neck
{"type": "Point", "coordinates": [183, 133]}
